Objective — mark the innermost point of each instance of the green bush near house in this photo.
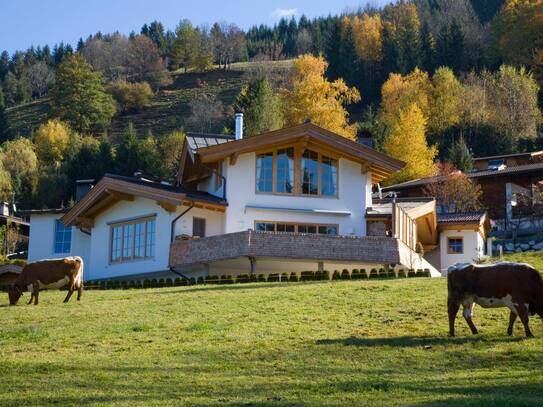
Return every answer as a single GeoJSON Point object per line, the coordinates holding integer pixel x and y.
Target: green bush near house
{"type": "Point", "coordinates": [374, 273]}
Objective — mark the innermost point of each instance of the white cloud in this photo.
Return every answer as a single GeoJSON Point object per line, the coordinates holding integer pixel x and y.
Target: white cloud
{"type": "Point", "coordinates": [284, 13]}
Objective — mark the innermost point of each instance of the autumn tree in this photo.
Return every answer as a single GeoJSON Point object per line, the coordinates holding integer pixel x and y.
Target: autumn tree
{"type": "Point", "coordinates": [52, 140]}
{"type": "Point", "coordinates": [20, 161]}
{"type": "Point", "coordinates": [260, 106]}
{"type": "Point", "coordinates": [454, 191]}
{"type": "Point", "coordinates": [170, 151]}
{"type": "Point", "coordinates": [79, 97]}
{"type": "Point", "coordinates": [185, 47]}
{"type": "Point", "coordinates": [311, 96]}
{"type": "Point", "coordinates": [406, 141]}
{"type": "Point", "coordinates": [446, 103]}
{"type": "Point", "coordinates": [207, 113]}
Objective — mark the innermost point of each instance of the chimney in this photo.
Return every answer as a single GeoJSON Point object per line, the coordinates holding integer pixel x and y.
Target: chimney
{"type": "Point", "coordinates": [239, 126]}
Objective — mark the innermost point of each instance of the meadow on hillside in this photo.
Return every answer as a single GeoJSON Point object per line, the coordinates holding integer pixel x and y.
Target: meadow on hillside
{"type": "Point", "coordinates": [344, 343]}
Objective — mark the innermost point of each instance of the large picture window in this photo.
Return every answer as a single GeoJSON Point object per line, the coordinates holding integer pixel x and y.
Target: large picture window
{"type": "Point", "coordinates": [297, 172]}
{"type": "Point", "coordinates": [132, 240]}
{"type": "Point", "coordinates": [63, 238]}
{"type": "Point", "coordinates": [264, 226]}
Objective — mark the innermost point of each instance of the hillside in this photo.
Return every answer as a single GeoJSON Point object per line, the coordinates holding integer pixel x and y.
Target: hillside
{"type": "Point", "coordinates": [169, 108]}
{"type": "Point", "coordinates": [372, 343]}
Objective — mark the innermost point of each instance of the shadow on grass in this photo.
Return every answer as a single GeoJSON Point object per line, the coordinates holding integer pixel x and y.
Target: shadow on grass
{"type": "Point", "coordinates": [415, 341]}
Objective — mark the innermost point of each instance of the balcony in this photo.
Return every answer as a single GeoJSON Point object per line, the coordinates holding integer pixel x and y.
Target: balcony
{"type": "Point", "coordinates": [295, 247]}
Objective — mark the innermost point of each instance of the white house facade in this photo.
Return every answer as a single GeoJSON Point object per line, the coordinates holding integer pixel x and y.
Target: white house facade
{"type": "Point", "coordinates": [286, 201]}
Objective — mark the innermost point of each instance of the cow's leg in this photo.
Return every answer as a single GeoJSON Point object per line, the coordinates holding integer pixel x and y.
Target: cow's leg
{"type": "Point", "coordinates": [79, 291]}
{"type": "Point", "coordinates": [35, 292]}
{"type": "Point", "coordinates": [512, 319]}
{"type": "Point", "coordinates": [70, 292]}
{"type": "Point", "coordinates": [523, 315]}
{"type": "Point", "coordinates": [468, 314]}
{"type": "Point", "coordinates": [452, 307]}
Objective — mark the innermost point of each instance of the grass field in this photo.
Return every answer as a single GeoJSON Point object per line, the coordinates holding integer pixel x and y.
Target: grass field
{"type": "Point", "coordinates": [346, 343]}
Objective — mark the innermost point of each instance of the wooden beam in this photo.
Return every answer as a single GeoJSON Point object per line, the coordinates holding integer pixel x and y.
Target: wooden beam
{"type": "Point", "coordinates": [167, 206]}
{"type": "Point", "coordinates": [120, 196]}
{"type": "Point", "coordinates": [85, 222]}
{"type": "Point", "coordinates": [233, 158]}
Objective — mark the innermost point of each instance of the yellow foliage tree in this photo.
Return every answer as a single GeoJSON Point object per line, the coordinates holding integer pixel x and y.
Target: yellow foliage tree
{"type": "Point", "coordinates": [400, 92]}
{"type": "Point", "coordinates": [311, 96]}
{"type": "Point", "coordinates": [52, 140]}
{"type": "Point", "coordinates": [446, 106]}
{"type": "Point", "coordinates": [367, 33]}
{"type": "Point", "coordinates": [407, 142]}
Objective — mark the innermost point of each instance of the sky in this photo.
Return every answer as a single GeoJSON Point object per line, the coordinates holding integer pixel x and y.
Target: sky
{"type": "Point", "coordinates": [40, 22]}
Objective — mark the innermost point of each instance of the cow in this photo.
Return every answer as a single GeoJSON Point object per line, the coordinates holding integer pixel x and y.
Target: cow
{"type": "Point", "coordinates": [43, 274]}
{"type": "Point", "coordinates": [517, 286]}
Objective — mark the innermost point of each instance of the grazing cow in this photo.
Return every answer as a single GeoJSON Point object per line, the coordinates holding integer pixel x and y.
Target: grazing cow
{"type": "Point", "coordinates": [56, 273]}
{"type": "Point", "coordinates": [516, 286]}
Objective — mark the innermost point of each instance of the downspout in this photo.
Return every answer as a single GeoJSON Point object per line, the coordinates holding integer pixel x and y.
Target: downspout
{"type": "Point", "coordinates": [172, 233]}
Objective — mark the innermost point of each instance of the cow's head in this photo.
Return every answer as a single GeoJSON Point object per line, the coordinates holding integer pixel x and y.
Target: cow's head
{"type": "Point", "coordinates": [14, 293]}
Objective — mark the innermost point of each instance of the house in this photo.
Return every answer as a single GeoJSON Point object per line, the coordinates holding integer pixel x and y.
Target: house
{"type": "Point", "coordinates": [289, 200]}
{"type": "Point", "coordinates": [501, 178]}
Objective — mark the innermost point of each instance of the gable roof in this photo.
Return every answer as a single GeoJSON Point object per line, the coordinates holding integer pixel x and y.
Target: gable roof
{"type": "Point", "coordinates": [494, 157]}
{"type": "Point", "coordinates": [461, 218]}
{"type": "Point", "coordinates": [200, 140]}
{"type": "Point", "coordinates": [381, 165]}
{"type": "Point", "coordinates": [114, 188]}
{"type": "Point", "coordinates": [515, 170]}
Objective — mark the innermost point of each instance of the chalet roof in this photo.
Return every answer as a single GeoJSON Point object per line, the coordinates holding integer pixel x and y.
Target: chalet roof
{"type": "Point", "coordinates": [494, 157]}
{"type": "Point", "coordinates": [113, 188]}
{"type": "Point", "coordinates": [516, 170]}
{"type": "Point", "coordinates": [461, 218]}
{"type": "Point", "coordinates": [200, 140]}
{"type": "Point", "coordinates": [383, 207]}
{"type": "Point", "coordinates": [380, 165]}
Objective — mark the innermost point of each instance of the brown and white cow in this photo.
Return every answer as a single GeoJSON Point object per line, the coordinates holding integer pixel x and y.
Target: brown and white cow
{"type": "Point", "coordinates": [43, 274]}
{"type": "Point", "coordinates": [516, 286]}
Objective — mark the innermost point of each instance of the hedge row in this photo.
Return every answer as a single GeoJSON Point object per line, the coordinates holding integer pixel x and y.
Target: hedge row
{"type": "Point", "coordinates": [356, 274]}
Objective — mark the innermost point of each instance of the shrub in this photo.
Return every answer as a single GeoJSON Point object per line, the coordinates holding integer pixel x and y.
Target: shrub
{"type": "Point", "coordinates": [318, 275]}
{"type": "Point", "coordinates": [211, 279]}
{"type": "Point", "coordinates": [130, 97]}
{"type": "Point", "coordinates": [427, 273]}
{"type": "Point", "coordinates": [184, 282]}
{"type": "Point", "coordinates": [243, 278]}
{"type": "Point", "coordinates": [273, 277]}
{"type": "Point", "coordinates": [374, 273]}
{"type": "Point", "coordinates": [420, 273]}
{"type": "Point", "coordinates": [192, 281]}
{"type": "Point", "coordinates": [137, 284]}
{"type": "Point", "coordinates": [293, 277]}
{"type": "Point", "coordinates": [116, 284]}
{"type": "Point", "coordinates": [336, 275]}
{"type": "Point", "coordinates": [383, 273]}
{"type": "Point", "coordinates": [177, 282]}
{"type": "Point", "coordinates": [411, 273]}
{"type": "Point", "coordinates": [326, 275]}
{"type": "Point", "coordinates": [146, 283]}
{"type": "Point", "coordinates": [154, 283]}
{"type": "Point", "coordinates": [391, 273]}
{"type": "Point", "coordinates": [345, 275]}
{"type": "Point", "coordinates": [307, 276]}
{"type": "Point", "coordinates": [402, 273]}
{"type": "Point", "coordinates": [253, 278]}
{"type": "Point", "coordinates": [226, 279]}
{"type": "Point", "coordinates": [364, 273]}
{"type": "Point", "coordinates": [261, 278]}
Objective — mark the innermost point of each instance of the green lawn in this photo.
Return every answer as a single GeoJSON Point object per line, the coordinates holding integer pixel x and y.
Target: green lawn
{"type": "Point", "coordinates": [346, 343]}
{"type": "Point", "coordinates": [533, 258]}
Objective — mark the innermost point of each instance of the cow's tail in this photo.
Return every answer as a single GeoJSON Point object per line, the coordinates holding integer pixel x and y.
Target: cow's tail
{"type": "Point", "coordinates": [79, 275]}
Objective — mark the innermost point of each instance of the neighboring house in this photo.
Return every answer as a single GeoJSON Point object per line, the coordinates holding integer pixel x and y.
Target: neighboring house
{"type": "Point", "coordinates": [500, 178]}
{"type": "Point", "coordinates": [445, 239]}
{"type": "Point", "coordinates": [285, 201]}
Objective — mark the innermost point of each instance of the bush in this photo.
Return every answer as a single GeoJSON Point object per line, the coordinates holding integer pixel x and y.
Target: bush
{"type": "Point", "coordinates": [243, 278]}
{"type": "Point", "coordinates": [253, 278]}
{"type": "Point", "coordinates": [261, 278]}
{"type": "Point", "coordinates": [137, 284]}
{"type": "Point", "coordinates": [318, 275]}
{"type": "Point", "coordinates": [284, 277]}
{"type": "Point", "coordinates": [420, 273]}
{"type": "Point", "coordinates": [391, 273]}
{"type": "Point", "coordinates": [154, 283]}
{"type": "Point", "coordinates": [227, 279]}
{"type": "Point", "coordinates": [200, 280]}
{"type": "Point", "coordinates": [130, 97]}
{"type": "Point", "coordinates": [307, 276]}
{"type": "Point", "coordinates": [211, 280]}
{"type": "Point", "coordinates": [427, 273]}
{"type": "Point", "coordinates": [326, 275]}
{"type": "Point", "coordinates": [169, 282]}
{"type": "Point", "coordinates": [336, 275]}
{"type": "Point", "coordinates": [273, 277]}
{"type": "Point", "coordinates": [411, 273]}
{"type": "Point", "coordinates": [177, 282]}
{"type": "Point", "coordinates": [192, 281]}
{"type": "Point", "coordinates": [383, 273]}
{"type": "Point", "coordinates": [374, 273]}
{"type": "Point", "coordinates": [293, 277]}
{"type": "Point", "coordinates": [146, 283]}
{"type": "Point", "coordinates": [402, 273]}
{"type": "Point", "coordinates": [345, 275]}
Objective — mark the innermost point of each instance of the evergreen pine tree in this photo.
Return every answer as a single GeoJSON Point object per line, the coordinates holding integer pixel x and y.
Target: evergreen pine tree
{"type": "Point", "coordinates": [456, 47]}
{"type": "Point", "coordinates": [427, 49]}
{"type": "Point", "coordinates": [460, 155]}
{"type": "Point", "coordinates": [3, 118]}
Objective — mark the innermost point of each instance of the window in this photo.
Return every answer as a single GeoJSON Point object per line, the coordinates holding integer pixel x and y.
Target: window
{"type": "Point", "coordinates": [63, 238]}
{"type": "Point", "coordinates": [329, 176]}
{"type": "Point", "coordinates": [496, 164]}
{"type": "Point", "coordinates": [299, 228]}
{"type": "Point", "coordinates": [310, 173]}
{"type": "Point", "coordinates": [264, 171]}
{"type": "Point", "coordinates": [455, 245]}
{"type": "Point", "coordinates": [286, 171]}
{"type": "Point", "coordinates": [198, 227]}
{"type": "Point", "coordinates": [132, 240]}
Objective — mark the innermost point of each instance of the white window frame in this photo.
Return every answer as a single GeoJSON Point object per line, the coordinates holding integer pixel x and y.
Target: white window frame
{"type": "Point", "coordinates": [146, 246]}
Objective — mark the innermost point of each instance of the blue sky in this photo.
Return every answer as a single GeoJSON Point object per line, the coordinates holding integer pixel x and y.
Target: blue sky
{"type": "Point", "coordinates": [40, 22]}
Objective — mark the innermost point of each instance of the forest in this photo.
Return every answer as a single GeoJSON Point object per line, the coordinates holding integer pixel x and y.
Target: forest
{"type": "Point", "coordinates": [427, 81]}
